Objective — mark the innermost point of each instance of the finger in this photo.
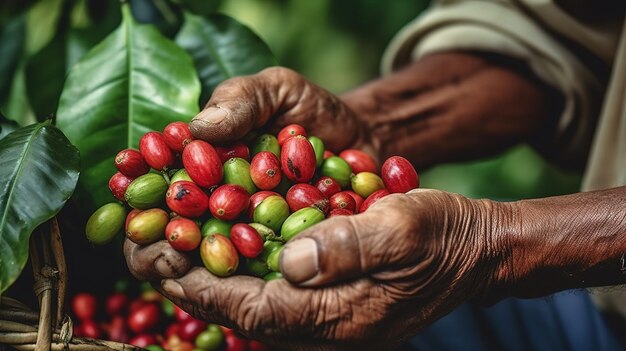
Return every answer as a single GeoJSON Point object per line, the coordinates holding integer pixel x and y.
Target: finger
{"type": "Point", "coordinates": [240, 104]}
{"type": "Point", "coordinates": [156, 261]}
{"type": "Point", "coordinates": [275, 311]}
{"type": "Point", "coordinates": [213, 299]}
{"type": "Point", "coordinates": [245, 303]}
{"type": "Point", "coordinates": [348, 247]}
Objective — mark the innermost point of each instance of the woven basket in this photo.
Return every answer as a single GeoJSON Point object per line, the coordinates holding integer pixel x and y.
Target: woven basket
{"type": "Point", "coordinates": [21, 328]}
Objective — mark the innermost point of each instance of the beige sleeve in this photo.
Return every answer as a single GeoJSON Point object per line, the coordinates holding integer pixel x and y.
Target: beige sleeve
{"type": "Point", "coordinates": [501, 27]}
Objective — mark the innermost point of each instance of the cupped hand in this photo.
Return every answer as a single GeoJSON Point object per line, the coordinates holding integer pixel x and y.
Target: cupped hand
{"type": "Point", "coordinates": [365, 282]}
{"type": "Point", "coordinates": [274, 98]}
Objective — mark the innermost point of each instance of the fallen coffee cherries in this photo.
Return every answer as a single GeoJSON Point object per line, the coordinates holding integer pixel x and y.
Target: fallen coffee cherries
{"type": "Point", "coordinates": [140, 316]}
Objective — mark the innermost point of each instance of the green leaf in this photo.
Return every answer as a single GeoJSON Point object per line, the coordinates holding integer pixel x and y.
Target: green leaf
{"type": "Point", "coordinates": [44, 73]}
{"type": "Point", "coordinates": [78, 30]}
{"type": "Point", "coordinates": [222, 48]}
{"type": "Point", "coordinates": [12, 36]}
{"type": "Point", "coordinates": [45, 70]}
{"type": "Point", "coordinates": [17, 105]}
{"type": "Point", "coordinates": [42, 21]}
{"type": "Point", "coordinates": [6, 126]}
{"type": "Point", "coordinates": [38, 173]}
{"type": "Point", "coordinates": [134, 81]}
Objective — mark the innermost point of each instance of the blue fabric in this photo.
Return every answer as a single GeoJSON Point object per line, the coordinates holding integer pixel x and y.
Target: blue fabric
{"type": "Point", "coordinates": [564, 321]}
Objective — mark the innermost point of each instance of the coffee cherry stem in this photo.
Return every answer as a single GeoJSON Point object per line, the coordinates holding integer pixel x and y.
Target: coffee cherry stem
{"type": "Point", "coordinates": [166, 176]}
{"type": "Point", "coordinates": [276, 238]}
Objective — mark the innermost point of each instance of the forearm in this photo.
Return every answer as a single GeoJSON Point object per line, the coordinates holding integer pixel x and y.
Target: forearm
{"type": "Point", "coordinates": [452, 107]}
{"type": "Point", "coordinates": [568, 242]}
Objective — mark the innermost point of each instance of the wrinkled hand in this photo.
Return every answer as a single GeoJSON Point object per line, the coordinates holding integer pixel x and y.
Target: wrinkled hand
{"type": "Point", "coordinates": [363, 282]}
{"type": "Point", "coordinates": [446, 107]}
{"type": "Point", "coordinates": [241, 104]}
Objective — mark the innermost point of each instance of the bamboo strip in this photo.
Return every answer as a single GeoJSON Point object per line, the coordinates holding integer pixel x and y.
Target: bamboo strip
{"type": "Point", "coordinates": [59, 258]}
{"type": "Point", "coordinates": [10, 326]}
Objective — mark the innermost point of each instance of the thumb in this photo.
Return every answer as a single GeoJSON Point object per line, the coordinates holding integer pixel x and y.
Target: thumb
{"type": "Point", "coordinates": [347, 247]}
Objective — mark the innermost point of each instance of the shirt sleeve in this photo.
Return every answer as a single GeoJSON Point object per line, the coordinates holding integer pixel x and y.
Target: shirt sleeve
{"type": "Point", "coordinates": [504, 28]}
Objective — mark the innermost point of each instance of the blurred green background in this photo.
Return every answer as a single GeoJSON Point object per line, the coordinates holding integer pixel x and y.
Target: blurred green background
{"type": "Point", "coordinates": [336, 44]}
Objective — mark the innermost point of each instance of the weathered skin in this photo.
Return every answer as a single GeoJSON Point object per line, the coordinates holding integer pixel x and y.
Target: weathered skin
{"type": "Point", "coordinates": [396, 285]}
{"type": "Point", "coordinates": [370, 281]}
{"type": "Point", "coordinates": [240, 104]}
{"type": "Point", "coordinates": [438, 250]}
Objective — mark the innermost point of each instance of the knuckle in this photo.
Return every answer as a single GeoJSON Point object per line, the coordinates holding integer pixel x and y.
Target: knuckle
{"type": "Point", "coordinates": [234, 82]}
{"type": "Point", "coordinates": [394, 200]}
{"type": "Point", "coordinates": [228, 85]}
{"type": "Point", "coordinates": [229, 89]}
{"type": "Point", "coordinates": [278, 71]}
{"type": "Point", "coordinates": [344, 230]}
{"type": "Point", "coordinates": [404, 220]}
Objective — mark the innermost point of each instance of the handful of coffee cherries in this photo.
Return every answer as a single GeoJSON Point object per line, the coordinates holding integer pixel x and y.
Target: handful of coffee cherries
{"type": "Point", "coordinates": [238, 203]}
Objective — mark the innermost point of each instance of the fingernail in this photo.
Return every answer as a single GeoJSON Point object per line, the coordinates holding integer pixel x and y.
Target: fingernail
{"type": "Point", "coordinates": [213, 115]}
{"type": "Point", "coordinates": [163, 267]}
{"type": "Point", "coordinates": [173, 288]}
{"type": "Point", "coordinates": [298, 261]}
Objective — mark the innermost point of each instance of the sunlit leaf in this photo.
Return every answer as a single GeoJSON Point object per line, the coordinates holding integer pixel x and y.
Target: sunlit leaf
{"type": "Point", "coordinates": [134, 81]}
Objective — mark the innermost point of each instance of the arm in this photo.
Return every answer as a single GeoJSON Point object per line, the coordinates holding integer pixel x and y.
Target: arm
{"type": "Point", "coordinates": [567, 52]}
{"type": "Point", "coordinates": [455, 106]}
{"type": "Point", "coordinates": [571, 241]}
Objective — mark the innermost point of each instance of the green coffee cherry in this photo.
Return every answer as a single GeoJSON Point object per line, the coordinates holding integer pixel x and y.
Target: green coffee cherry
{"type": "Point", "coordinates": [216, 226]}
{"type": "Point", "coordinates": [318, 147]}
{"type": "Point", "coordinates": [146, 191]}
{"type": "Point", "coordinates": [300, 220]}
{"type": "Point", "coordinates": [335, 167]}
{"type": "Point", "coordinates": [237, 171]}
{"type": "Point", "coordinates": [272, 212]}
{"type": "Point", "coordinates": [266, 142]}
{"type": "Point", "coordinates": [105, 223]}
{"type": "Point", "coordinates": [181, 174]}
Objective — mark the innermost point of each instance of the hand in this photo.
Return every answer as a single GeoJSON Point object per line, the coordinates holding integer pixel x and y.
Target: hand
{"type": "Point", "coordinates": [456, 106]}
{"type": "Point", "coordinates": [280, 96]}
{"type": "Point", "coordinates": [364, 282]}
{"type": "Point", "coordinates": [479, 103]}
